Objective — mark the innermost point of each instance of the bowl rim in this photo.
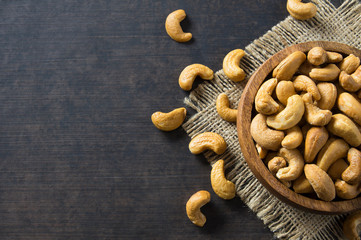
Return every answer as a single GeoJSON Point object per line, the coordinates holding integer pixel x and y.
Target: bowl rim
{"type": "Point", "coordinates": [248, 148]}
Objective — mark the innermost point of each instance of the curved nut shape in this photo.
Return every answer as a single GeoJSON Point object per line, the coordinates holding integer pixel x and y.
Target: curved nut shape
{"type": "Point", "coordinates": [173, 27]}
{"type": "Point", "coordinates": [350, 106]}
{"type": "Point", "coordinates": [264, 102]}
{"type": "Point", "coordinates": [351, 226]}
{"type": "Point", "coordinates": [293, 138]}
{"type": "Point", "coordinates": [349, 83]}
{"type": "Point", "coordinates": [221, 186]}
{"type": "Point", "coordinates": [345, 190]}
{"type": "Point", "coordinates": [262, 152]}
{"type": "Point", "coordinates": [315, 139]}
{"type": "Point", "coordinates": [295, 164]}
{"type": "Point", "coordinates": [344, 127]}
{"type": "Point", "coordinates": [333, 150]}
{"type": "Point", "coordinates": [334, 57]}
{"type": "Point", "coordinates": [284, 90]}
{"type": "Point", "coordinates": [231, 65]}
{"type": "Point", "coordinates": [350, 63]}
{"type": "Point", "coordinates": [321, 183]}
{"type": "Point", "coordinates": [314, 115]}
{"type": "Point", "coordinates": [189, 74]}
{"type": "Point", "coordinates": [302, 185]}
{"type": "Point", "coordinates": [289, 116]}
{"type": "Point", "coordinates": [301, 11]}
{"type": "Point", "coordinates": [263, 135]}
{"type": "Point", "coordinates": [317, 56]}
{"type": "Point", "coordinates": [328, 73]}
{"type": "Point", "coordinates": [304, 83]}
{"type": "Point", "coordinates": [289, 66]}
{"type": "Point", "coordinates": [352, 175]}
{"type": "Point", "coordinates": [169, 121]}
{"type": "Point", "coordinates": [223, 109]}
{"type": "Point", "coordinates": [336, 169]}
{"type": "Point", "coordinates": [276, 164]}
{"type": "Point", "coordinates": [328, 92]}
{"type": "Point", "coordinates": [208, 141]}
{"type": "Point", "coordinates": [193, 207]}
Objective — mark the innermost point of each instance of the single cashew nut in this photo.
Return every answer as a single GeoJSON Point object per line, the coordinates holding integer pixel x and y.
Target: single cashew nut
{"type": "Point", "coordinates": [337, 168]}
{"type": "Point", "coordinates": [328, 73]}
{"type": "Point", "coordinates": [284, 90]}
{"type": "Point", "coordinates": [208, 141]}
{"type": "Point", "coordinates": [350, 106]}
{"type": "Point", "coordinates": [289, 116]}
{"type": "Point", "coordinates": [352, 175]}
{"type": "Point", "coordinates": [301, 11]}
{"type": "Point", "coordinates": [344, 127]}
{"type": "Point", "coordinates": [351, 226]}
{"type": "Point", "coordinates": [321, 183]}
{"type": "Point", "coordinates": [189, 74]}
{"type": "Point", "coordinates": [262, 152]}
{"type": "Point", "coordinates": [173, 27]}
{"type": "Point", "coordinates": [293, 138]}
{"type": "Point", "coordinates": [345, 190]}
{"type": "Point", "coordinates": [289, 66]}
{"type": "Point", "coordinates": [317, 56]}
{"type": "Point", "coordinates": [264, 102]}
{"type": "Point", "coordinates": [333, 150]}
{"type": "Point", "coordinates": [275, 164]}
{"type": "Point", "coordinates": [193, 207]}
{"type": "Point", "coordinates": [313, 114]}
{"type": "Point", "coordinates": [169, 121]}
{"type": "Point", "coordinates": [315, 139]}
{"type": "Point", "coordinates": [223, 109]}
{"type": "Point", "coordinates": [231, 65]}
{"type": "Point", "coordinates": [328, 92]}
{"type": "Point", "coordinates": [302, 185]}
{"type": "Point", "coordinates": [351, 83]}
{"type": "Point", "coordinates": [263, 135]}
{"type": "Point", "coordinates": [334, 57]}
{"type": "Point", "coordinates": [221, 186]}
{"type": "Point", "coordinates": [350, 63]}
{"type": "Point", "coordinates": [304, 83]}
{"type": "Point", "coordinates": [295, 164]}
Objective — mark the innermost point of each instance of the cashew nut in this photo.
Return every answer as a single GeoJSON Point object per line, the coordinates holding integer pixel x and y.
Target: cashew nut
{"type": "Point", "coordinates": [295, 164]}
{"type": "Point", "coordinates": [264, 102]}
{"type": "Point", "coordinates": [351, 83]}
{"type": "Point", "coordinates": [231, 65]}
{"type": "Point", "coordinates": [208, 141]}
{"type": "Point", "coordinates": [349, 105]}
{"type": "Point", "coordinates": [263, 135]}
{"type": "Point", "coordinates": [351, 226]}
{"type": "Point", "coordinates": [337, 168]}
{"type": "Point", "coordinates": [344, 127]}
{"type": "Point", "coordinates": [314, 115]}
{"type": "Point", "coordinates": [352, 174]}
{"type": "Point", "coordinates": [304, 83]}
{"type": "Point", "coordinates": [334, 57]}
{"type": "Point", "coordinates": [293, 138]}
{"type": "Point", "coordinates": [347, 191]}
{"type": "Point", "coordinates": [321, 183]}
{"type": "Point", "coordinates": [221, 186]}
{"type": "Point", "coordinates": [289, 66]}
{"type": "Point", "coordinates": [328, 73]}
{"type": "Point", "coordinates": [284, 90]}
{"type": "Point", "coordinates": [289, 116]}
{"type": "Point", "coordinates": [223, 109]}
{"type": "Point", "coordinates": [305, 68]}
{"type": "Point", "coordinates": [317, 56]}
{"type": "Point", "coordinates": [193, 207]}
{"type": "Point", "coordinates": [333, 150]}
{"type": "Point", "coordinates": [301, 11]}
{"type": "Point", "coordinates": [350, 63]}
{"type": "Point", "coordinates": [189, 74]}
{"type": "Point", "coordinates": [169, 121]}
{"type": "Point", "coordinates": [262, 152]}
{"type": "Point", "coordinates": [275, 164]}
{"type": "Point", "coordinates": [328, 92]}
{"type": "Point", "coordinates": [315, 139]}
{"type": "Point", "coordinates": [173, 27]}
{"type": "Point", "coordinates": [302, 185]}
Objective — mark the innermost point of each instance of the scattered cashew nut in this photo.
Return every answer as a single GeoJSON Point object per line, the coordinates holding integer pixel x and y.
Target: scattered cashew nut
{"type": "Point", "coordinates": [231, 65]}
{"type": "Point", "coordinates": [347, 191]}
{"type": "Point", "coordinates": [293, 138]}
{"type": "Point", "coordinates": [344, 127]}
{"type": "Point", "coordinates": [333, 150]}
{"type": "Point", "coordinates": [208, 141]}
{"type": "Point", "coordinates": [317, 56]}
{"type": "Point", "coordinates": [264, 102]}
{"type": "Point", "coordinates": [295, 164]}
{"type": "Point", "coordinates": [284, 90]}
{"type": "Point", "coordinates": [189, 74]}
{"type": "Point", "coordinates": [328, 92]}
{"type": "Point", "coordinates": [350, 63]}
{"type": "Point", "coordinates": [349, 105]}
{"type": "Point", "coordinates": [328, 73]}
{"type": "Point", "coordinates": [195, 202]}
{"type": "Point", "coordinates": [313, 114]}
{"type": "Point", "coordinates": [321, 183]}
{"type": "Point", "coordinates": [352, 174]}
{"type": "Point", "coordinates": [173, 27]}
{"type": "Point", "coordinates": [304, 83]}
{"type": "Point", "coordinates": [223, 109]}
{"type": "Point", "coordinates": [289, 66]}
{"type": "Point", "coordinates": [221, 186]}
{"type": "Point", "coordinates": [301, 11]}
{"type": "Point", "coordinates": [351, 225]}
{"type": "Point", "coordinates": [315, 139]}
{"type": "Point", "coordinates": [169, 121]}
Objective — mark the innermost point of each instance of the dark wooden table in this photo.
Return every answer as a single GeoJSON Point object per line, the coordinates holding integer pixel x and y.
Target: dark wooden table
{"type": "Point", "coordinates": [79, 156]}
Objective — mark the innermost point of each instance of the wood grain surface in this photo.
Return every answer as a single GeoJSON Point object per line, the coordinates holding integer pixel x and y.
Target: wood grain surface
{"type": "Point", "coordinates": [79, 156]}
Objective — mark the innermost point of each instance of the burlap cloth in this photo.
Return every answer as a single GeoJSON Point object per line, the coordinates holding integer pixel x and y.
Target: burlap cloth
{"type": "Point", "coordinates": [342, 25]}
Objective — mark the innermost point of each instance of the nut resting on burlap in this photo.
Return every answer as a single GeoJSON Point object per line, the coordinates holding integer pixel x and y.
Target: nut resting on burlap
{"type": "Point", "coordinates": [330, 24]}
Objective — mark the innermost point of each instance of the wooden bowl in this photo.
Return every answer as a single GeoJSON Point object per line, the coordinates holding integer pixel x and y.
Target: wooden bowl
{"type": "Point", "coordinates": [246, 112]}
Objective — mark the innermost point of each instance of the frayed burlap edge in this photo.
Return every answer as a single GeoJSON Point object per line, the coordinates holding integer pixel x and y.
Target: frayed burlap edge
{"type": "Point", "coordinates": [286, 222]}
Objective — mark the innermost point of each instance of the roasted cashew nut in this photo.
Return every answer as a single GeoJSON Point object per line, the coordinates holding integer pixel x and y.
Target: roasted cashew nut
{"type": "Point", "coordinates": [328, 92]}
{"type": "Point", "coordinates": [344, 127]}
{"type": "Point", "coordinates": [264, 102]}
{"type": "Point", "coordinates": [328, 73]}
{"type": "Point", "coordinates": [223, 109]}
{"type": "Point", "coordinates": [350, 106]}
{"type": "Point", "coordinates": [349, 82]}
{"type": "Point", "coordinates": [304, 83]}
{"type": "Point", "coordinates": [193, 207]}
{"type": "Point", "coordinates": [337, 168]}
{"type": "Point", "coordinates": [313, 114]}
{"type": "Point", "coordinates": [189, 74]}
{"type": "Point", "coordinates": [262, 152]}
{"type": "Point", "coordinates": [301, 11]}
{"type": "Point", "coordinates": [321, 183]}
{"type": "Point", "coordinates": [333, 150]}
{"type": "Point", "coordinates": [293, 138]}
{"type": "Point", "coordinates": [334, 57]}
{"type": "Point", "coordinates": [221, 186]}
{"type": "Point", "coordinates": [289, 116]}
{"type": "Point", "coordinates": [284, 90]}
{"type": "Point", "coordinates": [275, 164]}
{"type": "Point", "coordinates": [352, 174]}
{"type": "Point", "coordinates": [169, 121]}
{"type": "Point", "coordinates": [350, 63]}
{"type": "Point", "coordinates": [263, 135]}
{"type": "Point", "coordinates": [289, 66]}
{"type": "Point", "coordinates": [317, 56]}
{"type": "Point", "coordinates": [295, 164]}
{"type": "Point", "coordinates": [305, 68]}
{"type": "Point", "coordinates": [351, 226]}
{"type": "Point", "coordinates": [347, 191]}
{"type": "Point", "coordinates": [315, 139]}
{"type": "Point", "coordinates": [208, 141]}
{"type": "Point", "coordinates": [173, 27]}
{"type": "Point", "coordinates": [302, 185]}
{"type": "Point", "coordinates": [231, 65]}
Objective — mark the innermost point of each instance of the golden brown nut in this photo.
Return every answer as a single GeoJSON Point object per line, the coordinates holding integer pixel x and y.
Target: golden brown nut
{"type": "Point", "coordinates": [305, 68]}
{"type": "Point", "coordinates": [313, 114]}
{"type": "Point", "coordinates": [189, 74]}
{"type": "Point", "coordinates": [336, 169]}
{"type": "Point", "coordinates": [351, 226]}
{"type": "Point", "coordinates": [264, 102]}
{"type": "Point", "coordinates": [347, 191]}
{"type": "Point", "coordinates": [349, 82]}
{"type": "Point", "coordinates": [195, 202]}
{"type": "Point", "coordinates": [302, 185]}
{"type": "Point", "coordinates": [328, 73]}
{"type": "Point", "coordinates": [169, 121]}
{"type": "Point", "coordinates": [221, 186]}
{"type": "Point", "coordinates": [350, 63]}
{"type": "Point", "coordinates": [289, 66]}
{"type": "Point", "coordinates": [344, 127]}
{"type": "Point", "coordinates": [173, 27]}
{"type": "Point", "coordinates": [352, 175]}
{"type": "Point", "coordinates": [317, 56]}
{"type": "Point", "coordinates": [333, 150]}
{"type": "Point", "coordinates": [304, 83]}
{"type": "Point", "coordinates": [231, 65]}
{"type": "Point", "coordinates": [275, 164]}
{"type": "Point", "coordinates": [284, 90]}
{"type": "Point", "coordinates": [262, 152]}
{"type": "Point", "coordinates": [328, 92]}
{"type": "Point", "coordinates": [301, 11]}
{"type": "Point", "coordinates": [321, 183]}
{"type": "Point", "coordinates": [334, 57]}
{"type": "Point", "coordinates": [295, 164]}
{"type": "Point", "coordinates": [223, 109]}
{"type": "Point", "coordinates": [208, 141]}
{"type": "Point", "coordinates": [349, 105]}
{"type": "Point", "coordinates": [315, 139]}
{"type": "Point", "coordinates": [293, 138]}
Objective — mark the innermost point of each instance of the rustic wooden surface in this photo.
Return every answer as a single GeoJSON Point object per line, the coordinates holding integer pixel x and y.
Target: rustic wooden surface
{"type": "Point", "coordinates": [80, 158]}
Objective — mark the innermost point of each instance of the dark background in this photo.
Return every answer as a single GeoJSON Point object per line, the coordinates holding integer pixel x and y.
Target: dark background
{"type": "Point", "coordinates": [79, 80]}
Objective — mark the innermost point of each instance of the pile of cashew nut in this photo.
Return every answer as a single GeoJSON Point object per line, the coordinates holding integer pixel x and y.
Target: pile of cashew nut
{"type": "Point", "coordinates": [307, 126]}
